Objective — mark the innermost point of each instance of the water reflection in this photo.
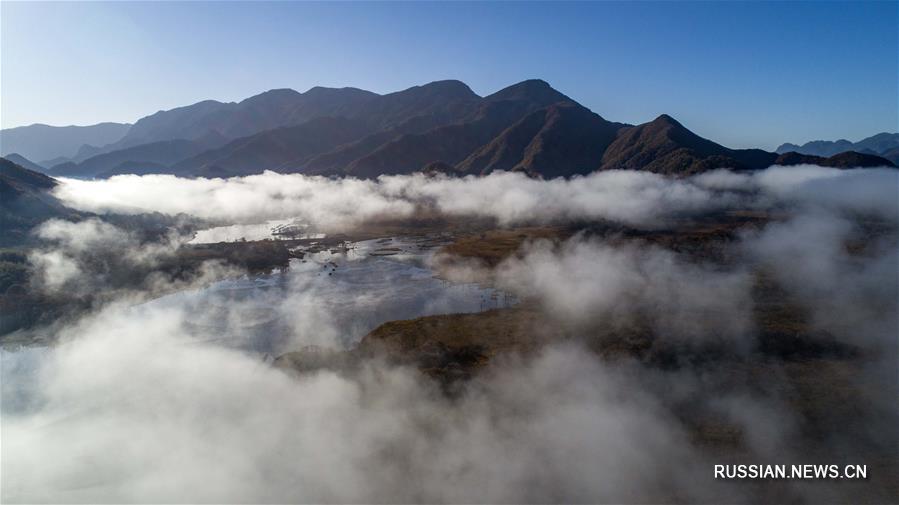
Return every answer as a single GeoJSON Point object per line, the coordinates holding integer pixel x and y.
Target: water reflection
{"type": "Point", "coordinates": [331, 297]}
{"type": "Point", "coordinates": [274, 229]}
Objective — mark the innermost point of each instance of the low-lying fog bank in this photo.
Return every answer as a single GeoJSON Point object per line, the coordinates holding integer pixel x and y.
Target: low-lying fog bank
{"type": "Point", "coordinates": [635, 198]}
{"type": "Point", "coordinates": [779, 348]}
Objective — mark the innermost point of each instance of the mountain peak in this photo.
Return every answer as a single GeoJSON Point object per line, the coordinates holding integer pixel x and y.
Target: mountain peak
{"type": "Point", "coordinates": [436, 90]}
{"type": "Point", "coordinates": [280, 91]}
{"type": "Point", "coordinates": [667, 147]}
{"type": "Point", "coordinates": [317, 91]}
{"type": "Point", "coordinates": [24, 162]}
{"type": "Point", "coordinates": [451, 87]}
{"type": "Point", "coordinates": [534, 90]}
{"type": "Point", "coordinates": [16, 175]}
{"type": "Point", "coordinates": [532, 84]}
{"type": "Point", "coordinates": [665, 119]}
{"type": "Point", "coordinates": [277, 94]}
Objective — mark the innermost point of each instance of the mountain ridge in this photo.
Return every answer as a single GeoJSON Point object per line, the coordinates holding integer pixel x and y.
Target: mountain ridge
{"type": "Point", "coordinates": [847, 159]}
{"type": "Point", "coordinates": [24, 162]}
{"type": "Point", "coordinates": [440, 126]}
{"type": "Point", "coordinates": [879, 144]}
{"type": "Point", "coordinates": [665, 146]}
{"type": "Point", "coordinates": [39, 142]}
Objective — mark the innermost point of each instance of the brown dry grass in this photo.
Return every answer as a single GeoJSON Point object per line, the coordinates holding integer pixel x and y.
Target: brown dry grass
{"type": "Point", "coordinates": [493, 246]}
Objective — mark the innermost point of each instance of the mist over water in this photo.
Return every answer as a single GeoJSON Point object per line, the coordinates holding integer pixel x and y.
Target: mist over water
{"type": "Point", "coordinates": [330, 300]}
{"type": "Point", "coordinates": [634, 198]}
{"type": "Point", "coordinates": [273, 229]}
{"type": "Point", "coordinates": [171, 401]}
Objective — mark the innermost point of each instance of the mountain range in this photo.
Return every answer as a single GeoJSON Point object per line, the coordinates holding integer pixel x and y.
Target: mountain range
{"type": "Point", "coordinates": [883, 144]}
{"type": "Point", "coordinates": [441, 126]}
{"type": "Point", "coordinates": [49, 145]}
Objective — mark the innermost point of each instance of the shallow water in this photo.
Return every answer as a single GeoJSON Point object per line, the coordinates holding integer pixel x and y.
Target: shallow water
{"type": "Point", "coordinates": [327, 299]}
{"type": "Point", "coordinates": [275, 229]}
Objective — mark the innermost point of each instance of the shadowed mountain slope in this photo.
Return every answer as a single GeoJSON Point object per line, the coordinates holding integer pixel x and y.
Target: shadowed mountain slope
{"type": "Point", "coordinates": [446, 101]}
{"type": "Point", "coordinates": [286, 107]}
{"type": "Point", "coordinates": [275, 149]}
{"type": "Point", "coordinates": [389, 117]}
{"type": "Point", "coordinates": [892, 155]}
{"type": "Point", "coordinates": [563, 139]}
{"type": "Point", "coordinates": [24, 162]}
{"type": "Point", "coordinates": [22, 180]}
{"type": "Point", "coordinates": [849, 159]}
{"type": "Point", "coordinates": [249, 122]}
{"type": "Point", "coordinates": [451, 143]}
{"type": "Point", "coordinates": [265, 111]}
{"type": "Point", "coordinates": [664, 146]}
{"type": "Point", "coordinates": [392, 134]}
{"type": "Point", "coordinates": [154, 154]}
{"type": "Point", "coordinates": [25, 202]}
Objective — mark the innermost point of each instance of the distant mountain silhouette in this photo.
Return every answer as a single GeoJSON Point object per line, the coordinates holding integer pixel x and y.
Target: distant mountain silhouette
{"type": "Point", "coordinates": [155, 154]}
{"type": "Point", "coordinates": [665, 146]}
{"type": "Point", "coordinates": [134, 168]}
{"type": "Point", "coordinates": [24, 162]}
{"type": "Point", "coordinates": [84, 152]}
{"type": "Point", "coordinates": [265, 111]}
{"type": "Point", "coordinates": [848, 159]}
{"type": "Point", "coordinates": [40, 142]}
{"type": "Point", "coordinates": [25, 201]}
{"type": "Point", "coordinates": [878, 144]}
{"type": "Point", "coordinates": [892, 155]}
{"type": "Point", "coordinates": [439, 127]}
{"type": "Point", "coordinates": [177, 123]}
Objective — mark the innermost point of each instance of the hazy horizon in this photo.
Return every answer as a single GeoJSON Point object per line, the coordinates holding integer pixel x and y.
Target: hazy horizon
{"type": "Point", "coordinates": [756, 83]}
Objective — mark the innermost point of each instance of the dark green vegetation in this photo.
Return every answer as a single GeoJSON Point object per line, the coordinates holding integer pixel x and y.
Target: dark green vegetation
{"type": "Point", "coordinates": [442, 126]}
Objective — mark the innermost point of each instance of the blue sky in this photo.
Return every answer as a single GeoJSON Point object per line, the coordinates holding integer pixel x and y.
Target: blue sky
{"type": "Point", "coordinates": [743, 74]}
